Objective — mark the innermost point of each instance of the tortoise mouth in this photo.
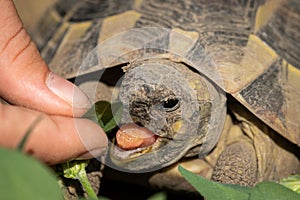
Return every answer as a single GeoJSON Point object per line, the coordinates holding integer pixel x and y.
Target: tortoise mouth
{"type": "Point", "coordinates": [132, 136]}
{"type": "Point", "coordinates": [125, 154]}
{"type": "Point", "coordinates": [132, 141]}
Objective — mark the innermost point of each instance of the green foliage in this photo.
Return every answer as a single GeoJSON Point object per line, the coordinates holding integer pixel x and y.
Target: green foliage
{"type": "Point", "coordinates": [72, 169]}
{"type": "Point", "coordinates": [271, 191]}
{"type": "Point", "coordinates": [292, 182]}
{"type": "Point", "coordinates": [105, 114]}
{"type": "Point", "coordinates": [158, 196]}
{"type": "Point", "coordinates": [263, 191]}
{"type": "Point", "coordinates": [22, 177]}
{"type": "Point", "coordinates": [76, 170]}
{"type": "Point", "coordinates": [213, 190]}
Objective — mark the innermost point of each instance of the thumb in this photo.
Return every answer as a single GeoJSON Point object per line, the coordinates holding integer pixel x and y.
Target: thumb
{"type": "Point", "coordinates": [24, 76]}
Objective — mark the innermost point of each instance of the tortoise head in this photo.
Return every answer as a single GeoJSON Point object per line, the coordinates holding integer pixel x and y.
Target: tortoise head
{"type": "Point", "coordinates": [173, 102]}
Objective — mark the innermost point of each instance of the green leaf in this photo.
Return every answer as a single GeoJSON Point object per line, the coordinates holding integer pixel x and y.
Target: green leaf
{"type": "Point", "coordinates": [271, 190]}
{"type": "Point", "coordinates": [76, 170]}
{"type": "Point", "coordinates": [212, 190]}
{"type": "Point", "coordinates": [72, 169]}
{"type": "Point", "coordinates": [263, 191]}
{"type": "Point", "coordinates": [105, 114]}
{"type": "Point", "coordinates": [22, 177]}
{"type": "Point", "coordinates": [158, 196]}
{"type": "Point", "coordinates": [114, 117]}
{"type": "Point", "coordinates": [91, 114]}
{"type": "Point", "coordinates": [291, 182]}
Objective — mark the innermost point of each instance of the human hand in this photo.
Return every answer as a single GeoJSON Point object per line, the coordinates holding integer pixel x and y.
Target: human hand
{"type": "Point", "coordinates": [27, 83]}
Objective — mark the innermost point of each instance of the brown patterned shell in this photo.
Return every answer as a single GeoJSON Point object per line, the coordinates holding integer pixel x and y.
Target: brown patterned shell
{"type": "Point", "coordinates": [253, 45]}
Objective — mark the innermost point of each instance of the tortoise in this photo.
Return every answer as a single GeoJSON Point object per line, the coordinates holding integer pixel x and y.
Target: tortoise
{"type": "Point", "coordinates": [217, 82]}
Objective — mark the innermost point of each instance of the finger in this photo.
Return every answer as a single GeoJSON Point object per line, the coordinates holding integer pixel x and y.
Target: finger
{"type": "Point", "coordinates": [54, 139]}
{"type": "Point", "coordinates": [24, 76]}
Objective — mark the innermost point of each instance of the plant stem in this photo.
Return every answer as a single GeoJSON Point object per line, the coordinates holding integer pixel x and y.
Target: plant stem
{"type": "Point", "coordinates": [82, 177]}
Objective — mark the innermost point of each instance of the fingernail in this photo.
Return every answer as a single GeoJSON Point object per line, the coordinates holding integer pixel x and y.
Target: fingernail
{"type": "Point", "coordinates": [67, 91]}
{"type": "Point", "coordinates": [92, 137]}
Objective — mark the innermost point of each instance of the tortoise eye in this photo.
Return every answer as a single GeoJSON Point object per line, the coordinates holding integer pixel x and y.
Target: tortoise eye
{"type": "Point", "coordinates": [171, 104]}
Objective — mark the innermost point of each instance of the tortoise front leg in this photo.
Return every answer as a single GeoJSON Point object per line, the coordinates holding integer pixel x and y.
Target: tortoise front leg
{"type": "Point", "coordinates": [237, 164]}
